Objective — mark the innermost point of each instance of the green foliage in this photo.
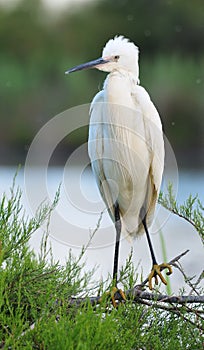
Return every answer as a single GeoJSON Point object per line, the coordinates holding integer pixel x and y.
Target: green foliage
{"type": "Point", "coordinates": [29, 285]}
{"type": "Point", "coordinates": [36, 311]}
{"type": "Point", "coordinates": [192, 210]}
{"type": "Point", "coordinates": [15, 233]}
{"type": "Point", "coordinates": [129, 327]}
{"type": "Point", "coordinates": [36, 49]}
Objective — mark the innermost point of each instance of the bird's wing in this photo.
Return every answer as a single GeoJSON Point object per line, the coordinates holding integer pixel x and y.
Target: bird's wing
{"type": "Point", "coordinates": [96, 149]}
{"type": "Point", "coordinates": [154, 138]}
{"type": "Point", "coordinates": [126, 146]}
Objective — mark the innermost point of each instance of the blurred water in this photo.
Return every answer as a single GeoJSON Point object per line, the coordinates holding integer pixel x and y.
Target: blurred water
{"type": "Point", "coordinates": [78, 212]}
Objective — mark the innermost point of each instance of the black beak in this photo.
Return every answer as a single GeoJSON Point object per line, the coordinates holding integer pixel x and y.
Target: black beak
{"type": "Point", "coordinates": [91, 64]}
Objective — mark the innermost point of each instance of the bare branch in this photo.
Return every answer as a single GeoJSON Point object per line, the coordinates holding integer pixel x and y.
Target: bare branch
{"type": "Point", "coordinates": [138, 294]}
{"type": "Point", "coordinates": [200, 278]}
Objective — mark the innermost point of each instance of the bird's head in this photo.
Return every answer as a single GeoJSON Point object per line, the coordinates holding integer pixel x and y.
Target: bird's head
{"type": "Point", "coordinates": [118, 54]}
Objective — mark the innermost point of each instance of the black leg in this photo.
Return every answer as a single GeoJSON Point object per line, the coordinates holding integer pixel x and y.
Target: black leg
{"type": "Point", "coordinates": [117, 242]}
{"type": "Point", "coordinates": [156, 269]}
{"type": "Point", "coordinates": [149, 241]}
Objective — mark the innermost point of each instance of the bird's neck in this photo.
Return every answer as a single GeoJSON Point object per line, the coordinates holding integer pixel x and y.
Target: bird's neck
{"type": "Point", "coordinates": [123, 73]}
{"type": "Point", "coordinates": [118, 87]}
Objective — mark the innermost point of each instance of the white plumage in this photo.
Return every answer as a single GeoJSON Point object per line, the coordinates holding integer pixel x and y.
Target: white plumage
{"type": "Point", "coordinates": [126, 146]}
{"type": "Point", "coordinates": [125, 139]}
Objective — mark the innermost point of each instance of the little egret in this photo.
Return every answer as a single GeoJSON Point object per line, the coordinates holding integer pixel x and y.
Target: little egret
{"type": "Point", "coordinates": [126, 147]}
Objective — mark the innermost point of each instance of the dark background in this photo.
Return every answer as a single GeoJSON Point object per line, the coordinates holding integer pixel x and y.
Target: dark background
{"type": "Point", "coordinates": [37, 46]}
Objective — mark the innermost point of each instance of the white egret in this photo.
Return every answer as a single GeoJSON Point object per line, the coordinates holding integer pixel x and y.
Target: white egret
{"type": "Point", "coordinates": [126, 146]}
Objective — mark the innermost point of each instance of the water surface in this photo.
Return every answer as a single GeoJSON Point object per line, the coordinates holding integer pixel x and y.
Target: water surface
{"type": "Point", "coordinates": [78, 212]}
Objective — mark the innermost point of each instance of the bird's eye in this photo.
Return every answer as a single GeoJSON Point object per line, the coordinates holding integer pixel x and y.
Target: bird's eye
{"type": "Point", "coordinates": [116, 58]}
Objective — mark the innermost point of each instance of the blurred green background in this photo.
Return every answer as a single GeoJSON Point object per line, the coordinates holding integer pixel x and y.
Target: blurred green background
{"type": "Point", "coordinates": [38, 45]}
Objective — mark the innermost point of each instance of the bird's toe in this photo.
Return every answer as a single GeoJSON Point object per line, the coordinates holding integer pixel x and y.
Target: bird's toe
{"type": "Point", "coordinates": [117, 295]}
{"type": "Point", "coordinates": [156, 272]}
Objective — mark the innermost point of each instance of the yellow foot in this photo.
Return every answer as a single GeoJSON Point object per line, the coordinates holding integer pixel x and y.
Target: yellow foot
{"type": "Point", "coordinates": [112, 293]}
{"type": "Point", "coordinates": [156, 271]}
